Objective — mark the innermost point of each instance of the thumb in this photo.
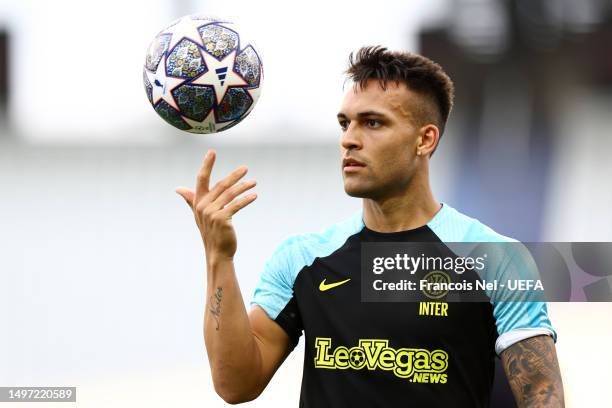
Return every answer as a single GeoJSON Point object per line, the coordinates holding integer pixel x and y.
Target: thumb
{"type": "Point", "coordinates": [187, 195]}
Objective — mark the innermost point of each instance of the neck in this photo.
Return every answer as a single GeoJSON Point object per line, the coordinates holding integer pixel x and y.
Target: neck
{"type": "Point", "coordinates": [409, 209]}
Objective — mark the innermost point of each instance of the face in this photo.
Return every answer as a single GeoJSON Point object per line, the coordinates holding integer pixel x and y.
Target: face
{"type": "Point", "coordinates": [379, 140]}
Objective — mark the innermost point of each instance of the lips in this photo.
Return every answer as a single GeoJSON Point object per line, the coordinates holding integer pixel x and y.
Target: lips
{"type": "Point", "coordinates": [350, 162]}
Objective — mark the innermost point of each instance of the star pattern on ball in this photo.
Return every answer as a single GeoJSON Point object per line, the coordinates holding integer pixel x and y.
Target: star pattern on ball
{"type": "Point", "coordinates": [163, 85]}
{"type": "Point", "coordinates": [220, 74]}
{"type": "Point", "coordinates": [208, 125]}
{"type": "Point", "coordinates": [254, 93]}
{"type": "Point", "coordinates": [186, 27]}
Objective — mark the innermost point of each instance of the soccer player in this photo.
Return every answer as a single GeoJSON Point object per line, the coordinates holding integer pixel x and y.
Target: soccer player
{"type": "Point", "coordinates": [368, 353]}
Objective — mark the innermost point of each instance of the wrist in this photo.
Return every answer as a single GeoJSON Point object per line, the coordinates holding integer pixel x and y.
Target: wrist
{"type": "Point", "coordinates": [218, 269]}
{"type": "Point", "coordinates": [214, 260]}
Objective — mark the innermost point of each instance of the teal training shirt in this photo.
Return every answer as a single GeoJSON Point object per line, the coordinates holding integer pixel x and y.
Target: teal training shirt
{"type": "Point", "coordinates": [388, 354]}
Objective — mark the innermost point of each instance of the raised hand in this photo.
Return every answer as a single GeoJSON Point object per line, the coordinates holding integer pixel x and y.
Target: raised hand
{"type": "Point", "coordinates": [214, 208]}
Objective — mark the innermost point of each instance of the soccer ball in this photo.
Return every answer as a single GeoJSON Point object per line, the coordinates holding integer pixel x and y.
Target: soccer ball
{"type": "Point", "coordinates": [357, 358]}
{"type": "Point", "coordinates": [201, 76]}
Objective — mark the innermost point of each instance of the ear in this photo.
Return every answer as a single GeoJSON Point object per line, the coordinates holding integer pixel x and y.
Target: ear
{"type": "Point", "coordinates": [428, 140]}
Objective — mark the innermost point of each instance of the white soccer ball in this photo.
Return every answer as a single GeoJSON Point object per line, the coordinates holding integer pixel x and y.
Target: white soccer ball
{"type": "Point", "coordinates": [201, 76]}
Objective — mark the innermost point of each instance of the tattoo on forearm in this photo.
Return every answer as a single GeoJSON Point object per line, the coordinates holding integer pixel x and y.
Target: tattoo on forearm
{"type": "Point", "coordinates": [533, 372]}
{"type": "Point", "coordinates": [215, 305]}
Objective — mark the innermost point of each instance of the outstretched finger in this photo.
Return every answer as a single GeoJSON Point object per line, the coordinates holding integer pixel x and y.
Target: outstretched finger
{"type": "Point", "coordinates": [226, 183]}
{"type": "Point", "coordinates": [238, 204]}
{"type": "Point", "coordinates": [231, 193]}
{"type": "Point", "coordinates": [187, 194]}
{"type": "Point", "coordinates": [203, 179]}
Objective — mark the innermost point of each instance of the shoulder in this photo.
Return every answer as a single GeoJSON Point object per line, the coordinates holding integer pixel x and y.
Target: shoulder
{"type": "Point", "coordinates": [299, 250]}
{"type": "Point", "coordinates": [305, 247]}
{"type": "Point", "coordinates": [451, 225]}
{"type": "Point", "coordinates": [275, 287]}
{"type": "Point", "coordinates": [515, 320]}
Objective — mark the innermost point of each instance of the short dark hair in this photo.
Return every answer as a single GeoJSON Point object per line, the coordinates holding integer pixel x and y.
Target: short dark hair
{"type": "Point", "coordinates": [418, 73]}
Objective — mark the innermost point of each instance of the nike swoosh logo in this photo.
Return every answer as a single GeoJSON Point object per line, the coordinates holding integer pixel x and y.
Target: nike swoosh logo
{"type": "Point", "coordinates": [327, 286]}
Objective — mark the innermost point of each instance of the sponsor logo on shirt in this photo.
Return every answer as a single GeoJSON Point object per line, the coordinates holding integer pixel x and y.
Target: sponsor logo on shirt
{"type": "Point", "coordinates": [414, 364]}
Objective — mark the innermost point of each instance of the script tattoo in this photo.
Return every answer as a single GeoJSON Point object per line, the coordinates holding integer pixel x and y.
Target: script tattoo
{"type": "Point", "coordinates": [533, 372]}
{"type": "Point", "coordinates": [215, 305]}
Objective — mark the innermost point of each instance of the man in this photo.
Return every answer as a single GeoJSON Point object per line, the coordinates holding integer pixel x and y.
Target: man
{"type": "Point", "coordinates": [358, 353]}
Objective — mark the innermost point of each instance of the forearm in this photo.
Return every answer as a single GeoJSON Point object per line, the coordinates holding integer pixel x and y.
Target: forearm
{"type": "Point", "coordinates": [533, 372]}
{"type": "Point", "coordinates": [233, 353]}
{"type": "Point", "coordinates": [234, 356]}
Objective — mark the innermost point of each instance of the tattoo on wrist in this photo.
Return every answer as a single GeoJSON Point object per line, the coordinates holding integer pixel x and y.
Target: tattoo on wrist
{"type": "Point", "coordinates": [215, 305]}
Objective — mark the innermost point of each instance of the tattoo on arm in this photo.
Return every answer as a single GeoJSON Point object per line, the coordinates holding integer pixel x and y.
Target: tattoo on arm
{"type": "Point", "coordinates": [215, 305]}
{"type": "Point", "coordinates": [533, 372]}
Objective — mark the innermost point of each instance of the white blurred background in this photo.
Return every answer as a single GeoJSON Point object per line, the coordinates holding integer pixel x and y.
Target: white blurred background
{"type": "Point", "coordinates": [101, 265]}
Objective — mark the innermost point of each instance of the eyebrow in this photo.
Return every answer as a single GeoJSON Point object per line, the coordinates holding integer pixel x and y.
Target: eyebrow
{"type": "Point", "coordinates": [363, 114]}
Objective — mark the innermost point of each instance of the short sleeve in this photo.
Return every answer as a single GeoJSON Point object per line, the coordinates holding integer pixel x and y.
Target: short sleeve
{"type": "Point", "coordinates": [518, 321]}
{"type": "Point", "coordinates": [526, 314]}
{"type": "Point", "coordinates": [274, 291]}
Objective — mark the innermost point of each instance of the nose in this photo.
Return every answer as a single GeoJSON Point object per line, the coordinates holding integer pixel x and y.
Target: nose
{"type": "Point", "coordinates": [350, 139]}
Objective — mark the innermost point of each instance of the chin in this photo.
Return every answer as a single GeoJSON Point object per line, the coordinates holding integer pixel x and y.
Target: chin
{"type": "Point", "coordinates": [358, 191]}
{"type": "Point", "coordinates": [374, 190]}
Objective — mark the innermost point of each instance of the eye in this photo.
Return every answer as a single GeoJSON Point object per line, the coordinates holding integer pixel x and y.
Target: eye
{"type": "Point", "coordinates": [343, 124]}
{"type": "Point", "coordinates": [373, 123]}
